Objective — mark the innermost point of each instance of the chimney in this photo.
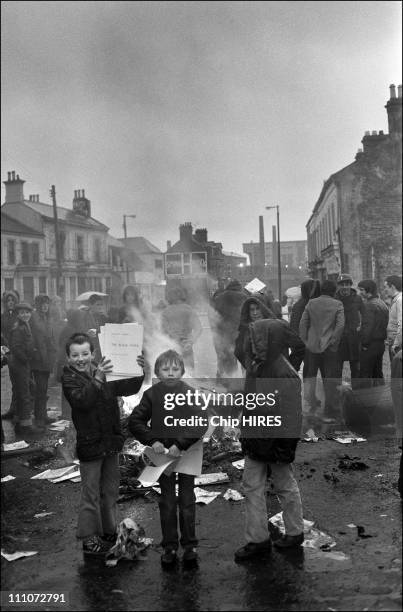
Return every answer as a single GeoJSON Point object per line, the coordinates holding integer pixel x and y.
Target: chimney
{"type": "Point", "coordinates": [169, 245]}
{"type": "Point", "coordinates": [262, 257]}
{"type": "Point", "coordinates": [394, 110]}
{"type": "Point", "coordinates": [14, 188]}
{"type": "Point", "coordinates": [81, 204]}
{"type": "Point", "coordinates": [185, 232]}
{"type": "Point", "coordinates": [201, 235]}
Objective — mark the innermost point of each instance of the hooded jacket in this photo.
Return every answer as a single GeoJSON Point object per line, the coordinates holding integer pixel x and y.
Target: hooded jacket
{"type": "Point", "coordinates": [272, 373]}
{"type": "Point", "coordinates": [95, 411]}
{"type": "Point", "coordinates": [310, 288]}
{"type": "Point", "coordinates": [8, 317]}
{"type": "Point", "coordinates": [228, 305]}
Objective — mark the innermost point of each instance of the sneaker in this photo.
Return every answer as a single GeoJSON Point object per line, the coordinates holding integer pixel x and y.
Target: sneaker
{"type": "Point", "coordinates": [95, 546]}
{"type": "Point", "coordinates": [168, 557]}
{"type": "Point", "coordinates": [287, 541]}
{"type": "Point", "coordinates": [253, 549]}
{"type": "Point", "coordinates": [190, 555]}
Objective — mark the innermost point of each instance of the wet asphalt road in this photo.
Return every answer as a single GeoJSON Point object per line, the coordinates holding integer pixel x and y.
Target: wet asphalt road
{"type": "Point", "coordinates": [369, 579]}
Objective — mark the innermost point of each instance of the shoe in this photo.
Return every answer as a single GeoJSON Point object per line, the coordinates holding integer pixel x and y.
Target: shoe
{"type": "Point", "coordinates": [95, 546]}
{"type": "Point", "coordinates": [8, 416]}
{"type": "Point", "coordinates": [287, 541]}
{"type": "Point", "coordinates": [190, 555]}
{"type": "Point", "coordinates": [27, 431]}
{"type": "Point", "coordinates": [253, 549]}
{"type": "Point", "coordinates": [168, 557]}
{"type": "Point", "coordinates": [110, 538]}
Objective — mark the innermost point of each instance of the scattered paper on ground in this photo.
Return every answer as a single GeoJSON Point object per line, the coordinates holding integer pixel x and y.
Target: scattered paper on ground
{"type": "Point", "coordinates": [15, 445]}
{"type": "Point", "coordinates": [59, 425]}
{"type": "Point", "coordinates": [18, 555]}
{"type": "Point", "coordinates": [7, 478]}
{"type": "Point", "coordinates": [351, 526]}
{"type": "Point", "coordinates": [42, 514]}
{"type": "Point", "coordinates": [240, 464]}
{"type": "Point", "coordinates": [213, 478]}
{"type": "Point", "coordinates": [205, 497]}
{"type": "Point", "coordinates": [233, 495]}
{"type": "Point", "coordinates": [74, 476]}
{"type": "Point", "coordinates": [277, 520]}
{"type": "Point", "coordinates": [52, 474]}
{"type": "Point", "coordinates": [347, 437]}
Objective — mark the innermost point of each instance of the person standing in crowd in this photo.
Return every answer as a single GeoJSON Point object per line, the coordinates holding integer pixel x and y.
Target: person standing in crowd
{"type": "Point", "coordinates": [44, 357]}
{"type": "Point", "coordinates": [96, 417]}
{"type": "Point", "coordinates": [374, 323]}
{"type": "Point", "coordinates": [393, 290]}
{"type": "Point", "coordinates": [270, 372]}
{"type": "Point", "coordinates": [180, 322]}
{"type": "Point", "coordinates": [169, 368]}
{"type": "Point", "coordinates": [22, 351]}
{"type": "Point", "coordinates": [133, 310]}
{"type": "Point", "coordinates": [349, 347]}
{"type": "Point", "coordinates": [8, 320]}
{"type": "Point", "coordinates": [253, 309]}
{"type": "Point", "coordinates": [320, 329]}
{"type": "Point", "coordinates": [94, 317]}
{"type": "Point", "coordinates": [224, 321]}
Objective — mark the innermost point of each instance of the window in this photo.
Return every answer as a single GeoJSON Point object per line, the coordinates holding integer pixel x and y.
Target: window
{"type": "Point", "coordinates": [42, 284]}
{"type": "Point", "coordinates": [108, 285]}
{"type": "Point", "coordinates": [73, 290]}
{"type": "Point", "coordinates": [62, 245]}
{"type": "Point", "coordinates": [82, 284]}
{"type": "Point", "coordinates": [98, 284]}
{"type": "Point", "coordinates": [35, 253]}
{"type": "Point", "coordinates": [97, 250]}
{"type": "Point", "coordinates": [80, 248]}
{"type": "Point", "coordinates": [11, 252]}
{"type": "Point", "coordinates": [28, 289]}
{"type": "Point", "coordinates": [25, 253]}
{"type": "Point", "coordinates": [9, 284]}
{"type": "Point", "coordinates": [158, 264]}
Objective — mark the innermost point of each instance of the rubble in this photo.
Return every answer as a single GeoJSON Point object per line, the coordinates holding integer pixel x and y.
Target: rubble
{"type": "Point", "coordinates": [348, 463]}
{"type": "Point", "coordinates": [130, 543]}
{"type": "Point", "coordinates": [233, 495]}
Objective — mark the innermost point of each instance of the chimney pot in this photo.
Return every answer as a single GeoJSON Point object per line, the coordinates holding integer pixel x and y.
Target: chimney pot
{"type": "Point", "coordinates": [381, 133]}
{"type": "Point", "coordinates": [399, 91]}
{"type": "Point", "coordinates": [83, 193]}
{"type": "Point", "coordinates": [374, 133]}
{"type": "Point", "coordinates": [13, 175]}
{"type": "Point", "coordinates": [367, 133]}
{"type": "Point", "coordinates": [359, 151]}
{"type": "Point", "coordinates": [392, 89]}
{"type": "Point", "coordinates": [18, 177]}
{"type": "Point", "coordinates": [9, 176]}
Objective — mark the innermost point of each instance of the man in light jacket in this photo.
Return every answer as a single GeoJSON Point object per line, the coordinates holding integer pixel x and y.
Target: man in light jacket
{"type": "Point", "coordinates": [321, 328]}
{"type": "Point", "coordinates": [393, 290]}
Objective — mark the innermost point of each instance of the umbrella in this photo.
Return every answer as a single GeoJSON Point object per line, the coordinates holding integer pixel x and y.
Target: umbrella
{"type": "Point", "coordinates": [83, 297]}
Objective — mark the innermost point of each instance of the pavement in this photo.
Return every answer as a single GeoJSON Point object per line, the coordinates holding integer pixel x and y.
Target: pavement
{"type": "Point", "coordinates": [360, 509]}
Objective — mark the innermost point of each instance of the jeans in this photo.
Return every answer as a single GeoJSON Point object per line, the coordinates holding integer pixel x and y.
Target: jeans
{"type": "Point", "coordinates": [371, 364]}
{"type": "Point", "coordinates": [99, 494]}
{"type": "Point", "coordinates": [327, 363]}
{"type": "Point", "coordinates": [168, 511]}
{"type": "Point", "coordinates": [286, 487]}
{"type": "Point", "coordinates": [41, 380]}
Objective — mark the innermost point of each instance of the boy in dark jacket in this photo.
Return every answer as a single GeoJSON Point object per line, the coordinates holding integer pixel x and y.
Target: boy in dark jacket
{"type": "Point", "coordinates": [169, 368]}
{"type": "Point", "coordinates": [95, 414]}
{"type": "Point", "coordinates": [22, 352]}
{"type": "Point", "coordinates": [271, 372]}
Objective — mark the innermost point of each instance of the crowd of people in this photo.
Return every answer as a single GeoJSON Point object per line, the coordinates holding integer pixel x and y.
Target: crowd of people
{"type": "Point", "coordinates": [330, 324]}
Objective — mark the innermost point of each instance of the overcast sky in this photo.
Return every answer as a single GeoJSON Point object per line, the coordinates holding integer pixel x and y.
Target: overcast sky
{"type": "Point", "coordinates": [193, 111]}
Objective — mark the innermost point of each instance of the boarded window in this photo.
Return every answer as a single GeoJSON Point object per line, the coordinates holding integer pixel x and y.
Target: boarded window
{"type": "Point", "coordinates": [11, 252]}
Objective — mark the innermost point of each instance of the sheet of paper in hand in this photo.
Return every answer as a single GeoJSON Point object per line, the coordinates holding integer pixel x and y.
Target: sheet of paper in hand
{"type": "Point", "coordinates": [122, 343]}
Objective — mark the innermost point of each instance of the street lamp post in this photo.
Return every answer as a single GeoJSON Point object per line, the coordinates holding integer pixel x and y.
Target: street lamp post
{"type": "Point", "coordinates": [125, 235]}
{"type": "Point", "coordinates": [278, 249]}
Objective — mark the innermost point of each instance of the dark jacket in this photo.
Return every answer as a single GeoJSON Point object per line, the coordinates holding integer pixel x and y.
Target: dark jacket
{"type": "Point", "coordinates": [42, 333]}
{"type": "Point", "coordinates": [271, 372]}
{"type": "Point", "coordinates": [375, 317]}
{"type": "Point", "coordinates": [350, 341]}
{"type": "Point", "coordinates": [22, 348]}
{"type": "Point", "coordinates": [243, 338]}
{"type": "Point", "coordinates": [310, 289]}
{"type": "Point", "coordinates": [95, 411]}
{"type": "Point", "coordinates": [153, 402]}
{"type": "Point", "coordinates": [8, 317]}
{"type": "Point", "coordinates": [227, 305]}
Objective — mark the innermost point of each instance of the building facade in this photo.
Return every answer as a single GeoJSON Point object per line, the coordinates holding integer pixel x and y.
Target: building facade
{"type": "Point", "coordinates": [355, 226]}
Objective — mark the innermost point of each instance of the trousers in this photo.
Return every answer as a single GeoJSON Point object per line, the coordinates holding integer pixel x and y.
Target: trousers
{"type": "Point", "coordinates": [99, 494]}
{"type": "Point", "coordinates": [41, 379]}
{"type": "Point", "coordinates": [286, 487]}
{"type": "Point", "coordinates": [168, 510]}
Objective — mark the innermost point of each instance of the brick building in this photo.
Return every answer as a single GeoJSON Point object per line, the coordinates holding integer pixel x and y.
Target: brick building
{"type": "Point", "coordinates": [355, 226]}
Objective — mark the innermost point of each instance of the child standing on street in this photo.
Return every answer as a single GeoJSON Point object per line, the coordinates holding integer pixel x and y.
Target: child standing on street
{"type": "Point", "coordinates": [95, 414]}
{"type": "Point", "coordinates": [169, 368]}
